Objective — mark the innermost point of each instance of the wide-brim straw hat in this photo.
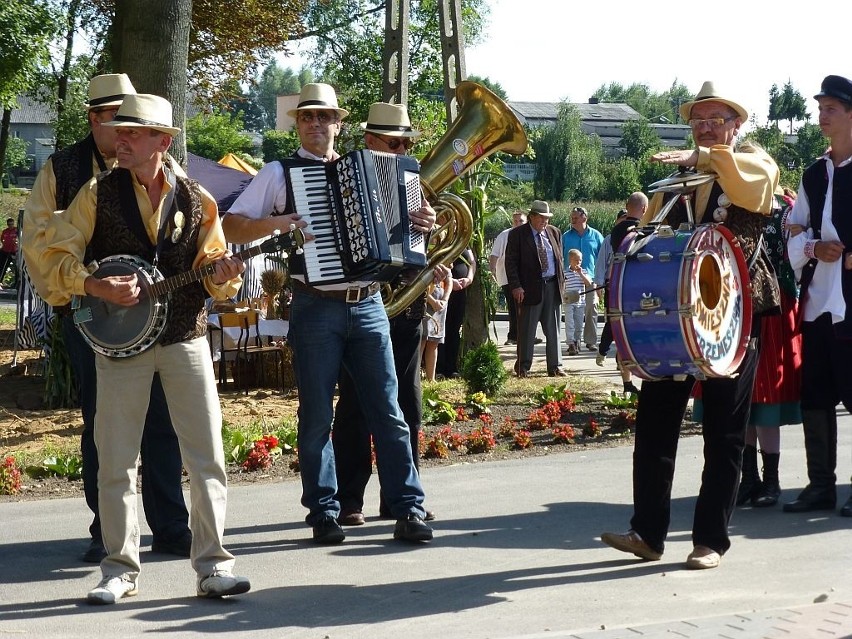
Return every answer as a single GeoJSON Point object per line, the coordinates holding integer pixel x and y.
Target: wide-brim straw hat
{"type": "Point", "coordinates": [540, 207]}
{"type": "Point", "coordinates": [145, 110]}
{"type": "Point", "coordinates": [389, 119]}
{"type": "Point", "coordinates": [109, 90]}
{"type": "Point", "coordinates": [708, 93]}
{"type": "Point", "coordinates": [318, 96]}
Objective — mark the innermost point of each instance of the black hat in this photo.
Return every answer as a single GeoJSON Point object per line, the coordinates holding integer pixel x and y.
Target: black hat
{"type": "Point", "coordinates": [836, 86]}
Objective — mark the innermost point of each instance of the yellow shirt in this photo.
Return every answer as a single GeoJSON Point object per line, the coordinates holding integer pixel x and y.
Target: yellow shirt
{"type": "Point", "coordinates": [68, 232]}
{"type": "Point", "coordinates": [748, 176]}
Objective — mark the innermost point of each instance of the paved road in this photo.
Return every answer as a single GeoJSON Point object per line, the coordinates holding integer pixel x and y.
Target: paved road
{"type": "Point", "coordinates": [516, 555]}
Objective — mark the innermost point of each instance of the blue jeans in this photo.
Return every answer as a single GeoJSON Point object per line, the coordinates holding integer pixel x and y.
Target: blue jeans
{"type": "Point", "coordinates": [326, 334]}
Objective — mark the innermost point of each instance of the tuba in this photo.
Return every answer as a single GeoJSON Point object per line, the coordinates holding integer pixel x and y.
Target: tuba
{"type": "Point", "coordinates": [485, 124]}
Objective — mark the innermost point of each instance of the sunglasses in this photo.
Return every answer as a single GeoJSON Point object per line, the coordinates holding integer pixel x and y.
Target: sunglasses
{"type": "Point", "coordinates": [395, 143]}
{"type": "Point", "coordinates": [322, 117]}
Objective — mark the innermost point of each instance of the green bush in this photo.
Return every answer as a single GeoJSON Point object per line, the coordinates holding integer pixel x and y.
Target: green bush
{"type": "Point", "coordinates": [483, 370]}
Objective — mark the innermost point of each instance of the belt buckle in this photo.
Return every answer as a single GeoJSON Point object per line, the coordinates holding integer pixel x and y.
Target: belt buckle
{"type": "Point", "coordinates": [353, 295]}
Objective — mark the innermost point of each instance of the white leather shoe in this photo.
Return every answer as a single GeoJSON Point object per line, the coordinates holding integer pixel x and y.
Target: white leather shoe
{"type": "Point", "coordinates": [222, 583]}
{"type": "Point", "coordinates": [702, 558]}
{"type": "Point", "coordinates": [110, 590]}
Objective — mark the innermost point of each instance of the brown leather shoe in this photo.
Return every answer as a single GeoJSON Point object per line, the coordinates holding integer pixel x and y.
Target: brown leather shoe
{"type": "Point", "coordinates": [351, 517]}
{"type": "Point", "coordinates": [631, 542]}
{"type": "Point", "coordinates": [702, 558]}
{"type": "Point", "coordinates": [557, 372]}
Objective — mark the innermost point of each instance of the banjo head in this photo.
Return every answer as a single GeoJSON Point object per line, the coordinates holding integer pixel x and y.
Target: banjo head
{"type": "Point", "coordinates": [681, 182]}
{"type": "Point", "coordinates": [124, 331]}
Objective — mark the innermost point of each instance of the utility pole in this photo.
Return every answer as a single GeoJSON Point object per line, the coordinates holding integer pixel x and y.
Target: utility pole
{"type": "Point", "coordinates": [395, 55]}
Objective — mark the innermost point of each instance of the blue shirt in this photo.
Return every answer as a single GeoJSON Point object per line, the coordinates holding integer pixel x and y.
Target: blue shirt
{"type": "Point", "coordinates": [588, 244]}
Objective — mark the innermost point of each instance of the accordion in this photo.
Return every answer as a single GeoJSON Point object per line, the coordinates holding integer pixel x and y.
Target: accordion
{"type": "Point", "coordinates": [357, 209]}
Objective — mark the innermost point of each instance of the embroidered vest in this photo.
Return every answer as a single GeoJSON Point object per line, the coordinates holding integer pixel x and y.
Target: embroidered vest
{"type": "Point", "coordinates": [747, 227]}
{"type": "Point", "coordinates": [187, 318]}
{"type": "Point", "coordinates": [72, 167]}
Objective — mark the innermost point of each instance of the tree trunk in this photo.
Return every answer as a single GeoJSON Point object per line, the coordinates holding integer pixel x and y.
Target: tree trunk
{"type": "Point", "coordinates": [476, 318]}
{"type": "Point", "coordinates": [150, 43]}
{"type": "Point", "coordinates": [4, 138]}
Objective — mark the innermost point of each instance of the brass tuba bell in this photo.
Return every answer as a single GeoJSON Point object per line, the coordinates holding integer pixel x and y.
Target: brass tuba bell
{"type": "Point", "coordinates": [485, 124]}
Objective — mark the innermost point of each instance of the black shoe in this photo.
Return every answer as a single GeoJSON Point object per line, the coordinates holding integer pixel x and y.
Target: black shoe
{"type": "Point", "coordinates": [95, 552]}
{"type": "Point", "coordinates": [412, 528]}
{"type": "Point", "coordinates": [328, 531]}
{"type": "Point", "coordinates": [812, 499]}
{"type": "Point", "coordinates": [630, 388]}
{"type": "Point", "coordinates": [846, 510]}
{"type": "Point", "coordinates": [180, 546]}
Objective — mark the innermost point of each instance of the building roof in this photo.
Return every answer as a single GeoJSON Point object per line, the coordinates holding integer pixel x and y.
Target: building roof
{"type": "Point", "coordinates": [601, 111]}
{"type": "Point", "coordinates": [31, 112]}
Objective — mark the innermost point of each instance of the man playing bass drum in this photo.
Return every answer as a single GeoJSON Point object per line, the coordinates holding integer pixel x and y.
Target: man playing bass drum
{"type": "Point", "coordinates": [740, 197]}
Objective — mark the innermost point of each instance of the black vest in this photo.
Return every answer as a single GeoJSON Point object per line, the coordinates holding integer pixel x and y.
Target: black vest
{"type": "Point", "coordinates": [72, 167]}
{"type": "Point", "coordinates": [815, 184]}
{"type": "Point", "coordinates": [114, 235]}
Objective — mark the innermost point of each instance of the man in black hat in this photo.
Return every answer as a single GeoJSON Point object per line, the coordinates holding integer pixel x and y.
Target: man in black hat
{"type": "Point", "coordinates": [825, 263]}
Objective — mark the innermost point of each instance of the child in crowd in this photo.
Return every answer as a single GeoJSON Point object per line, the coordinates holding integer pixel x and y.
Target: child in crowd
{"type": "Point", "coordinates": [434, 323]}
{"type": "Point", "coordinates": [576, 280]}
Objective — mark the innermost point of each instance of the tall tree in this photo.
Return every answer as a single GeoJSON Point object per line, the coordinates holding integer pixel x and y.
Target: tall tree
{"type": "Point", "coordinates": [657, 107]}
{"type": "Point", "coordinates": [787, 104]}
{"type": "Point", "coordinates": [27, 27]}
{"type": "Point", "coordinates": [150, 42]}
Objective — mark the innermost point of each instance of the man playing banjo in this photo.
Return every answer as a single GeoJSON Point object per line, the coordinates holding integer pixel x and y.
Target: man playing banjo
{"type": "Point", "coordinates": [142, 209]}
{"type": "Point", "coordinates": [739, 197]}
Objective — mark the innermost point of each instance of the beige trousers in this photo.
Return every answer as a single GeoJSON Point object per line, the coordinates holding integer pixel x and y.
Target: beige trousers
{"type": "Point", "coordinates": [124, 389]}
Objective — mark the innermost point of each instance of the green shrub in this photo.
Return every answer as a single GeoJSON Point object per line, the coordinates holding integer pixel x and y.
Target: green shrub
{"type": "Point", "coordinates": [483, 370]}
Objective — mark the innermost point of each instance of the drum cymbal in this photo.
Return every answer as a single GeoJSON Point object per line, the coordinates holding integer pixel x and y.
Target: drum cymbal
{"type": "Point", "coordinates": [681, 182]}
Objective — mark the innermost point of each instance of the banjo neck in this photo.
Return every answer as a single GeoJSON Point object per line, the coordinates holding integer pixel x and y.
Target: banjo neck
{"type": "Point", "coordinates": [272, 245]}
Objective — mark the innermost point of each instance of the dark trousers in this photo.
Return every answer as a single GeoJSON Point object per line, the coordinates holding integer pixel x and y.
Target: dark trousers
{"type": "Point", "coordinates": [162, 497]}
{"type": "Point", "coordinates": [512, 310]}
{"type": "Point", "coordinates": [350, 434]}
{"type": "Point", "coordinates": [727, 405]}
{"type": "Point", "coordinates": [448, 352]}
{"type": "Point", "coordinates": [606, 332]}
{"type": "Point", "coordinates": [826, 380]}
{"type": "Point", "coordinates": [8, 260]}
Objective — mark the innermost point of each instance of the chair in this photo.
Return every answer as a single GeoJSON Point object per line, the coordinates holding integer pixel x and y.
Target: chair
{"type": "Point", "coordinates": [255, 348]}
{"type": "Point", "coordinates": [233, 319]}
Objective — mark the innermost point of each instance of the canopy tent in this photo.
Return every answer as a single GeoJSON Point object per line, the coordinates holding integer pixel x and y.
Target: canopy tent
{"type": "Point", "coordinates": [223, 182]}
{"type": "Point", "coordinates": [238, 163]}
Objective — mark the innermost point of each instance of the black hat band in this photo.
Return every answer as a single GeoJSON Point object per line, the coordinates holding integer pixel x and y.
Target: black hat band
{"type": "Point", "coordinates": [142, 121]}
{"type": "Point", "coordinates": [107, 98]}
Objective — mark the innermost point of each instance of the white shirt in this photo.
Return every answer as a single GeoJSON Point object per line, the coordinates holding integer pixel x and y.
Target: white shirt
{"type": "Point", "coordinates": [498, 250]}
{"type": "Point", "coordinates": [267, 192]}
{"type": "Point", "coordinates": [825, 292]}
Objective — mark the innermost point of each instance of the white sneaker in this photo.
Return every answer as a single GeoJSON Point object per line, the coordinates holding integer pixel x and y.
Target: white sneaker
{"type": "Point", "coordinates": [110, 590]}
{"type": "Point", "coordinates": [222, 583]}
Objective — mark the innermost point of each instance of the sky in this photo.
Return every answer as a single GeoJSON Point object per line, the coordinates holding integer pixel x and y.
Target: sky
{"type": "Point", "coordinates": [550, 50]}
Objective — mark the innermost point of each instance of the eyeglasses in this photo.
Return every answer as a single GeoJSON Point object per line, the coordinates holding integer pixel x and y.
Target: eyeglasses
{"type": "Point", "coordinates": [395, 143]}
{"type": "Point", "coordinates": [323, 117]}
{"type": "Point", "coordinates": [713, 123]}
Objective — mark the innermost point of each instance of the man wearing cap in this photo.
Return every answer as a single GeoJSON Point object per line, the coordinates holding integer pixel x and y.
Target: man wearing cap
{"type": "Point", "coordinates": [142, 208]}
{"type": "Point", "coordinates": [741, 198]}
{"type": "Point", "coordinates": [822, 256]}
{"type": "Point", "coordinates": [333, 326]}
{"type": "Point", "coordinates": [534, 270]}
{"type": "Point", "coordinates": [387, 129]}
{"type": "Point", "coordinates": [588, 241]}
{"type": "Point", "coordinates": [57, 183]}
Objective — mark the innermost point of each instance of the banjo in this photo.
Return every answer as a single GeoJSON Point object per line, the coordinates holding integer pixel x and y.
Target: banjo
{"type": "Point", "coordinates": [125, 331]}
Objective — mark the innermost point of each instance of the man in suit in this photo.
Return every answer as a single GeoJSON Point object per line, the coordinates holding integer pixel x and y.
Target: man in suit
{"type": "Point", "coordinates": [535, 274]}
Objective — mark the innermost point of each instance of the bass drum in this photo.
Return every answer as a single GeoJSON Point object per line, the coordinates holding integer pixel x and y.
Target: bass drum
{"type": "Point", "coordinates": [122, 331]}
{"type": "Point", "coordinates": [679, 304]}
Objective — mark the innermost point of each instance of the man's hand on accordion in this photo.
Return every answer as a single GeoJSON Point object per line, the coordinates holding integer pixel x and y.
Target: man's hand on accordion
{"type": "Point", "coordinates": [424, 219]}
{"type": "Point", "coordinates": [287, 223]}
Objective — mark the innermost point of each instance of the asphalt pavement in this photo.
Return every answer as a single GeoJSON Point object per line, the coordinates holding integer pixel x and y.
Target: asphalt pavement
{"type": "Point", "coordinates": [516, 555]}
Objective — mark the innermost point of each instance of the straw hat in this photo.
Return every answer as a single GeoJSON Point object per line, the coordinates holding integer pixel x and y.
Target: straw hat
{"type": "Point", "coordinates": [708, 93]}
{"type": "Point", "coordinates": [540, 207]}
{"type": "Point", "coordinates": [317, 95]}
{"type": "Point", "coordinates": [389, 119]}
{"type": "Point", "coordinates": [109, 90]}
{"type": "Point", "coordinates": [145, 110]}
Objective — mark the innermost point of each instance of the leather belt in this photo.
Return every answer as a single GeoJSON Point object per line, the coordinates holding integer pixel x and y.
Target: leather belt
{"type": "Point", "coordinates": [351, 295]}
